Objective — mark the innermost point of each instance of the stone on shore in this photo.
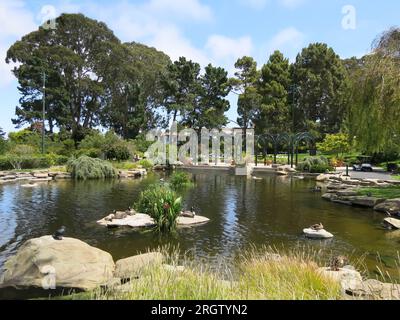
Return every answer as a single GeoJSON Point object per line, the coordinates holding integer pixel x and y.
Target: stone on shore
{"type": "Point", "coordinates": [132, 267]}
{"type": "Point", "coordinates": [391, 222]}
{"type": "Point", "coordinates": [374, 289]}
{"type": "Point", "coordinates": [324, 177]}
{"type": "Point", "coordinates": [72, 263]}
{"type": "Point", "coordinates": [348, 278]}
{"type": "Point", "coordinates": [347, 193]}
{"type": "Point", "coordinates": [388, 205]}
{"type": "Point", "coordinates": [362, 201]}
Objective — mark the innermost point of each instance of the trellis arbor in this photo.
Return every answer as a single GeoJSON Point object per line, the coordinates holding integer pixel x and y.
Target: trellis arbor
{"type": "Point", "coordinates": [286, 141]}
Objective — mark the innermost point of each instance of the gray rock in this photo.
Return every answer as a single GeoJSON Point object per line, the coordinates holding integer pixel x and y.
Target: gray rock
{"type": "Point", "coordinates": [337, 186]}
{"type": "Point", "coordinates": [344, 202]}
{"type": "Point", "coordinates": [346, 277]}
{"type": "Point", "coordinates": [374, 289]}
{"type": "Point", "coordinates": [388, 205]}
{"type": "Point", "coordinates": [72, 264]}
{"type": "Point", "coordinates": [132, 267]}
{"type": "Point", "coordinates": [330, 196]}
{"type": "Point", "coordinates": [391, 222]}
{"type": "Point", "coordinates": [41, 175]}
{"type": "Point", "coordinates": [362, 201]}
{"type": "Point", "coordinates": [347, 193]}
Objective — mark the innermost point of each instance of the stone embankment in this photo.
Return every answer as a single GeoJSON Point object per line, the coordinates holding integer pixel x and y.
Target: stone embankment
{"type": "Point", "coordinates": [46, 175]}
{"type": "Point", "coordinates": [345, 190]}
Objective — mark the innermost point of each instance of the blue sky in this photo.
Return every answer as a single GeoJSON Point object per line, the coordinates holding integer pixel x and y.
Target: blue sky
{"type": "Point", "coordinates": [218, 31]}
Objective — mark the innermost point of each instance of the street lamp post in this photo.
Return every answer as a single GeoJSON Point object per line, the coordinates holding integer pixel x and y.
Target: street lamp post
{"type": "Point", "coordinates": [43, 110]}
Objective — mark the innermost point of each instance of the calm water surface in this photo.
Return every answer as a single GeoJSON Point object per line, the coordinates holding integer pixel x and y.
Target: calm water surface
{"type": "Point", "coordinates": [243, 212]}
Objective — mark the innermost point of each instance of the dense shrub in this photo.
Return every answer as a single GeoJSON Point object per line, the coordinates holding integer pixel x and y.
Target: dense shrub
{"type": "Point", "coordinates": [91, 152]}
{"type": "Point", "coordinates": [118, 151]}
{"type": "Point", "coordinates": [180, 180]}
{"type": "Point", "coordinates": [314, 165]}
{"type": "Point", "coordinates": [162, 204]}
{"type": "Point", "coordinates": [85, 168]}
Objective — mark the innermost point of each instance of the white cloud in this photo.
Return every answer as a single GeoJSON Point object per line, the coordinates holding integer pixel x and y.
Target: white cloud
{"type": "Point", "coordinates": [289, 40]}
{"type": "Point", "coordinates": [261, 4]}
{"type": "Point", "coordinates": [291, 4]}
{"type": "Point", "coordinates": [254, 4]}
{"type": "Point", "coordinates": [224, 47]}
{"type": "Point", "coordinates": [189, 9]}
{"type": "Point", "coordinates": [224, 51]}
{"type": "Point", "coordinates": [170, 40]}
{"type": "Point", "coordinates": [16, 21]}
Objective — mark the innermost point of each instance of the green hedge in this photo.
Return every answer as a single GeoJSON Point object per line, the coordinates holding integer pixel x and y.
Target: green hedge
{"type": "Point", "coordinates": [14, 162]}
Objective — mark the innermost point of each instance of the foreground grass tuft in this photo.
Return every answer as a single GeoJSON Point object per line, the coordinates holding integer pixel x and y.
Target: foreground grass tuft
{"type": "Point", "coordinates": [265, 276]}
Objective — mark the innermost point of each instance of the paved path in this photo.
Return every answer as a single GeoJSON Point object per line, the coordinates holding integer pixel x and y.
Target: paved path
{"type": "Point", "coordinates": [378, 173]}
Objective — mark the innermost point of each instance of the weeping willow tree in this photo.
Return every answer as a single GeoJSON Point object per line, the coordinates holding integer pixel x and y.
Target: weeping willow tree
{"type": "Point", "coordinates": [374, 115]}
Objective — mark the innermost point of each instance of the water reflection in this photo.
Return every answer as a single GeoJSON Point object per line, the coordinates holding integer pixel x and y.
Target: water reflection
{"type": "Point", "coordinates": [243, 212]}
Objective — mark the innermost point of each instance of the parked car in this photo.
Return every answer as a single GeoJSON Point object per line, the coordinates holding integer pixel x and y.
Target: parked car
{"type": "Point", "coordinates": [364, 167]}
{"type": "Point", "coordinates": [363, 164]}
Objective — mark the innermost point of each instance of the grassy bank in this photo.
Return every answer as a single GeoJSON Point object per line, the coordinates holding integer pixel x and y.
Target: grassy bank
{"type": "Point", "coordinates": [259, 275]}
{"type": "Point", "coordinates": [386, 193]}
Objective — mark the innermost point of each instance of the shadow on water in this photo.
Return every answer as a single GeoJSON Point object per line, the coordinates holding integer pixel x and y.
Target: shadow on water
{"type": "Point", "coordinates": [243, 212]}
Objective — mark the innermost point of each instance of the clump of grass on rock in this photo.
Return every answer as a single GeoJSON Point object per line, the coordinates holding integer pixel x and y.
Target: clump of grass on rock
{"type": "Point", "coordinates": [84, 168]}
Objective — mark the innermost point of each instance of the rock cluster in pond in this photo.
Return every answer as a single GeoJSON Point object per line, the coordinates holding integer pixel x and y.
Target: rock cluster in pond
{"type": "Point", "coordinates": [344, 190]}
{"type": "Point", "coordinates": [140, 220]}
{"type": "Point", "coordinates": [33, 177]}
{"type": "Point", "coordinates": [46, 175]}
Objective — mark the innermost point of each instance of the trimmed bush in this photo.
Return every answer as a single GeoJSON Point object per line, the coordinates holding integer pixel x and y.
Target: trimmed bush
{"type": "Point", "coordinates": [119, 152]}
{"type": "Point", "coordinates": [162, 204]}
{"type": "Point", "coordinates": [85, 168]}
{"type": "Point", "coordinates": [314, 165]}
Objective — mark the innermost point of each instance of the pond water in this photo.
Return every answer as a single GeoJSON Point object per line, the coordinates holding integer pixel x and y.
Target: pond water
{"type": "Point", "coordinates": [243, 212]}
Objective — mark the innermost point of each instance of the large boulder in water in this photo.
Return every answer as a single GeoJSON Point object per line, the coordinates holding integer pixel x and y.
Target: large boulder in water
{"type": "Point", "coordinates": [44, 263]}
